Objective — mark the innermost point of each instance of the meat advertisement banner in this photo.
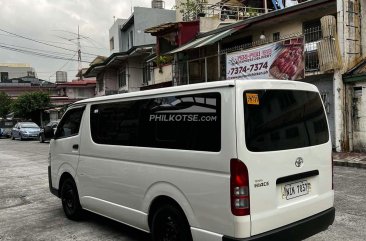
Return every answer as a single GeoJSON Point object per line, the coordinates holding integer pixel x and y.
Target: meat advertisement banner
{"type": "Point", "coordinates": [280, 60]}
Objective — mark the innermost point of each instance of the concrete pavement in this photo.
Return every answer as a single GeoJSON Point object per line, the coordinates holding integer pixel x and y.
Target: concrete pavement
{"type": "Point", "coordinates": [350, 159]}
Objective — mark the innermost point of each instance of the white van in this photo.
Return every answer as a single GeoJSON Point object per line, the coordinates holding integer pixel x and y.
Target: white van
{"type": "Point", "coordinates": [227, 160]}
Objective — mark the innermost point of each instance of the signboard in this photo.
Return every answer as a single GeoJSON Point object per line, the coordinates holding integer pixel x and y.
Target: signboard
{"type": "Point", "coordinates": [280, 60]}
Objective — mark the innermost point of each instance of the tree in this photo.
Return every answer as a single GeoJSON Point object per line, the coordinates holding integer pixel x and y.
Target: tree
{"type": "Point", "coordinates": [5, 104]}
{"type": "Point", "coordinates": [190, 9]}
{"type": "Point", "coordinates": [31, 105]}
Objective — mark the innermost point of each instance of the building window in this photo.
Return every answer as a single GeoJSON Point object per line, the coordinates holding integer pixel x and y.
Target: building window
{"type": "Point", "coordinates": [276, 36]}
{"type": "Point", "coordinates": [111, 43]}
{"type": "Point", "coordinates": [312, 31]}
{"type": "Point", "coordinates": [147, 72]}
{"type": "Point", "coordinates": [4, 76]}
{"type": "Point", "coordinates": [313, 34]}
{"type": "Point", "coordinates": [122, 78]}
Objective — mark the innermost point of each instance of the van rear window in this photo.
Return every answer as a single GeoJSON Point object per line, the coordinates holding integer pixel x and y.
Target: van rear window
{"type": "Point", "coordinates": [283, 119]}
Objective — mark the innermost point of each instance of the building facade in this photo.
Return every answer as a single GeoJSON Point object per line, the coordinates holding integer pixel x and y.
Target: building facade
{"type": "Point", "coordinates": [331, 31]}
{"type": "Point", "coordinates": [123, 71]}
{"type": "Point", "coordinates": [15, 71]}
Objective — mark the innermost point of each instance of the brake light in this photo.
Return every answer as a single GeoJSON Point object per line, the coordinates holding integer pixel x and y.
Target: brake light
{"type": "Point", "coordinates": [239, 188]}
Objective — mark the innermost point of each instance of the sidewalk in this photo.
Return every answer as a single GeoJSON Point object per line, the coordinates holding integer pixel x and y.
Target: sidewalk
{"type": "Point", "coordinates": [350, 159]}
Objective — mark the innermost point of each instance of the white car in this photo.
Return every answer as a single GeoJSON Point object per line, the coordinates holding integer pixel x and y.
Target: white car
{"type": "Point", "coordinates": [227, 160]}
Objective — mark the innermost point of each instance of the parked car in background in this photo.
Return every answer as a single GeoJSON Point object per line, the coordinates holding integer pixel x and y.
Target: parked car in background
{"type": "Point", "coordinates": [47, 131]}
{"type": "Point", "coordinates": [25, 130]}
{"type": "Point", "coordinates": [6, 127]}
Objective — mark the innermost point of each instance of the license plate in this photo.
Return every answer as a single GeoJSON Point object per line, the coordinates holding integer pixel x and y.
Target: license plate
{"type": "Point", "coordinates": [296, 189]}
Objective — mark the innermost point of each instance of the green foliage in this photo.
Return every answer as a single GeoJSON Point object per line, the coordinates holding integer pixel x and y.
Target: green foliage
{"type": "Point", "coordinates": [164, 59]}
{"type": "Point", "coordinates": [29, 103]}
{"type": "Point", "coordinates": [190, 9]}
{"type": "Point", "coordinates": [5, 104]}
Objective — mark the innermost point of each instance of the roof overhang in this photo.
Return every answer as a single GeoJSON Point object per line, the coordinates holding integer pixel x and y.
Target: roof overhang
{"type": "Point", "coordinates": [208, 40]}
{"type": "Point", "coordinates": [357, 73]}
{"type": "Point", "coordinates": [161, 28]}
{"type": "Point", "coordinates": [117, 59]}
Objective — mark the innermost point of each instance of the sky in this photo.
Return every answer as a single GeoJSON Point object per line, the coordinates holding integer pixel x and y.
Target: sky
{"type": "Point", "coordinates": [36, 32]}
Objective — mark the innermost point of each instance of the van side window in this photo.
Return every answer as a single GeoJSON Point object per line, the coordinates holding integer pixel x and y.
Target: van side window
{"type": "Point", "coordinates": [70, 124]}
{"type": "Point", "coordinates": [188, 122]}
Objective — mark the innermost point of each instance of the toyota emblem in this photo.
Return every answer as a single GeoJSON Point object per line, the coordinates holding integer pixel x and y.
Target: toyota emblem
{"type": "Point", "coordinates": [299, 161]}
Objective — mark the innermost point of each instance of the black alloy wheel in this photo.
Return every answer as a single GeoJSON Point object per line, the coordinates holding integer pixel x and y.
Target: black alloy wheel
{"type": "Point", "coordinates": [70, 199]}
{"type": "Point", "coordinates": [170, 224]}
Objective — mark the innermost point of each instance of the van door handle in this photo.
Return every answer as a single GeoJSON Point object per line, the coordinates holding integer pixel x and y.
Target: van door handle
{"type": "Point", "coordinates": [75, 147]}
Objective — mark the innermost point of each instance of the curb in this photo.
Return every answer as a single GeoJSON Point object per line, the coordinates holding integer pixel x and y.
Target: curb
{"type": "Point", "coordinates": [346, 163]}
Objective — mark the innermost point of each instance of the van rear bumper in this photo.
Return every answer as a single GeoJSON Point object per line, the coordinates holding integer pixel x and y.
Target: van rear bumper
{"type": "Point", "coordinates": [296, 231]}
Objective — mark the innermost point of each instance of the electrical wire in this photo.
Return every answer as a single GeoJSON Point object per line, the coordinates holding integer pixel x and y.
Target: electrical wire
{"type": "Point", "coordinates": [72, 58]}
{"type": "Point", "coordinates": [30, 52]}
{"type": "Point", "coordinates": [57, 42]}
{"type": "Point", "coordinates": [40, 42]}
{"type": "Point", "coordinates": [50, 52]}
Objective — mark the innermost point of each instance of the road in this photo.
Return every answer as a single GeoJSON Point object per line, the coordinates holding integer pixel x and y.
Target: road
{"type": "Point", "coordinates": [29, 212]}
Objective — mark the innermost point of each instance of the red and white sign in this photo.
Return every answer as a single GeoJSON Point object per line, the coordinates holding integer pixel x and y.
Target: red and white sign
{"type": "Point", "coordinates": [280, 60]}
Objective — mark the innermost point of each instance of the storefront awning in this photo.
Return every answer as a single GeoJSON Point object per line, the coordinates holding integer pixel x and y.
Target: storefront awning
{"type": "Point", "coordinates": [207, 40]}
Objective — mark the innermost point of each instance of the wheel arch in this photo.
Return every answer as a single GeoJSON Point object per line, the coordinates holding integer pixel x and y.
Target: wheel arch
{"type": "Point", "coordinates": [163, 193]}
{"type": "Point", "coordinates": [63, 177]}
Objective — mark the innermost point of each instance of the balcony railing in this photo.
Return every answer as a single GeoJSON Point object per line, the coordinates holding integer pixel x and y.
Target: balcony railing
{"type": "Point", "coordinates": [223, 12]}
{"type": "Point", "coordinates": [196, 70]}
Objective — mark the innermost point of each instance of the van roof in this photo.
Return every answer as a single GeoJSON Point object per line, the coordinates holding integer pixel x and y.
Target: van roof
{"type": "Point", "coordinates": [269, 83]}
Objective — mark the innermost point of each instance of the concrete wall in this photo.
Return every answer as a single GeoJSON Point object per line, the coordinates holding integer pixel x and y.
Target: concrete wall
{"type": "Point", "coordinates": [80, 93]}
{"type": "Point", "coordinates": [115, 33]}
{"type": "Point", "coordinates": [325, 86]}
{"type": "Point", "coordinates": [164, 76]}
{"type": "Point", "coordinates": [110, 77]}
{"type": "Point", "coordinates": [135, 73]}
{"type": "Point", "coordinates": [145, 18]}
{"type": "Point", "coordinates": [209, 23]}
{"type": "Point", "coordinates": [285, 29]}
{"type": "Point", "coordinates": [359, 116]}
{"type": "Point", "coordinates": [363, 29]}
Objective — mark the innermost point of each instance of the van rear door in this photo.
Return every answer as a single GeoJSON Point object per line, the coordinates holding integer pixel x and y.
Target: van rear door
{"type": "Point", "coordinates": [283, 139]}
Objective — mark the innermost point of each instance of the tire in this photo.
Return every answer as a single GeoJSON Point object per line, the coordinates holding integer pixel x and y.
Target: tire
{"type": "Point", "coordinates": [41, 139]}
{"type": "Point", "coordinates": [170, 224]}
{"type": "Point", "coordinates": [70, 200]}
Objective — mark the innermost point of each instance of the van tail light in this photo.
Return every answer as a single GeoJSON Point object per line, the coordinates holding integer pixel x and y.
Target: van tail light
{"type": "Point", "coordinates": [239, 188]}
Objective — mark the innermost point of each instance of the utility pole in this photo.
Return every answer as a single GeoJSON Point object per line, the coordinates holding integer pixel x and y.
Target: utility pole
{"type": "Point", "coordinates": [80, 67]}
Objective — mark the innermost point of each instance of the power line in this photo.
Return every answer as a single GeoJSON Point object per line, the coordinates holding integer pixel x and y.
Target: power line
{"type": "Point", "coordinates": [30, 52]}
{"type": "Point", "coordinates": [40, 42]}
{"type": "Point", "coordinates": [72, 58]}
{"type": "Point", "coordinates": [51, 52]}
{"type": "Point", "coordinates": [66, 55]}
{"type": "Point", "coordinates": [57, 42]}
